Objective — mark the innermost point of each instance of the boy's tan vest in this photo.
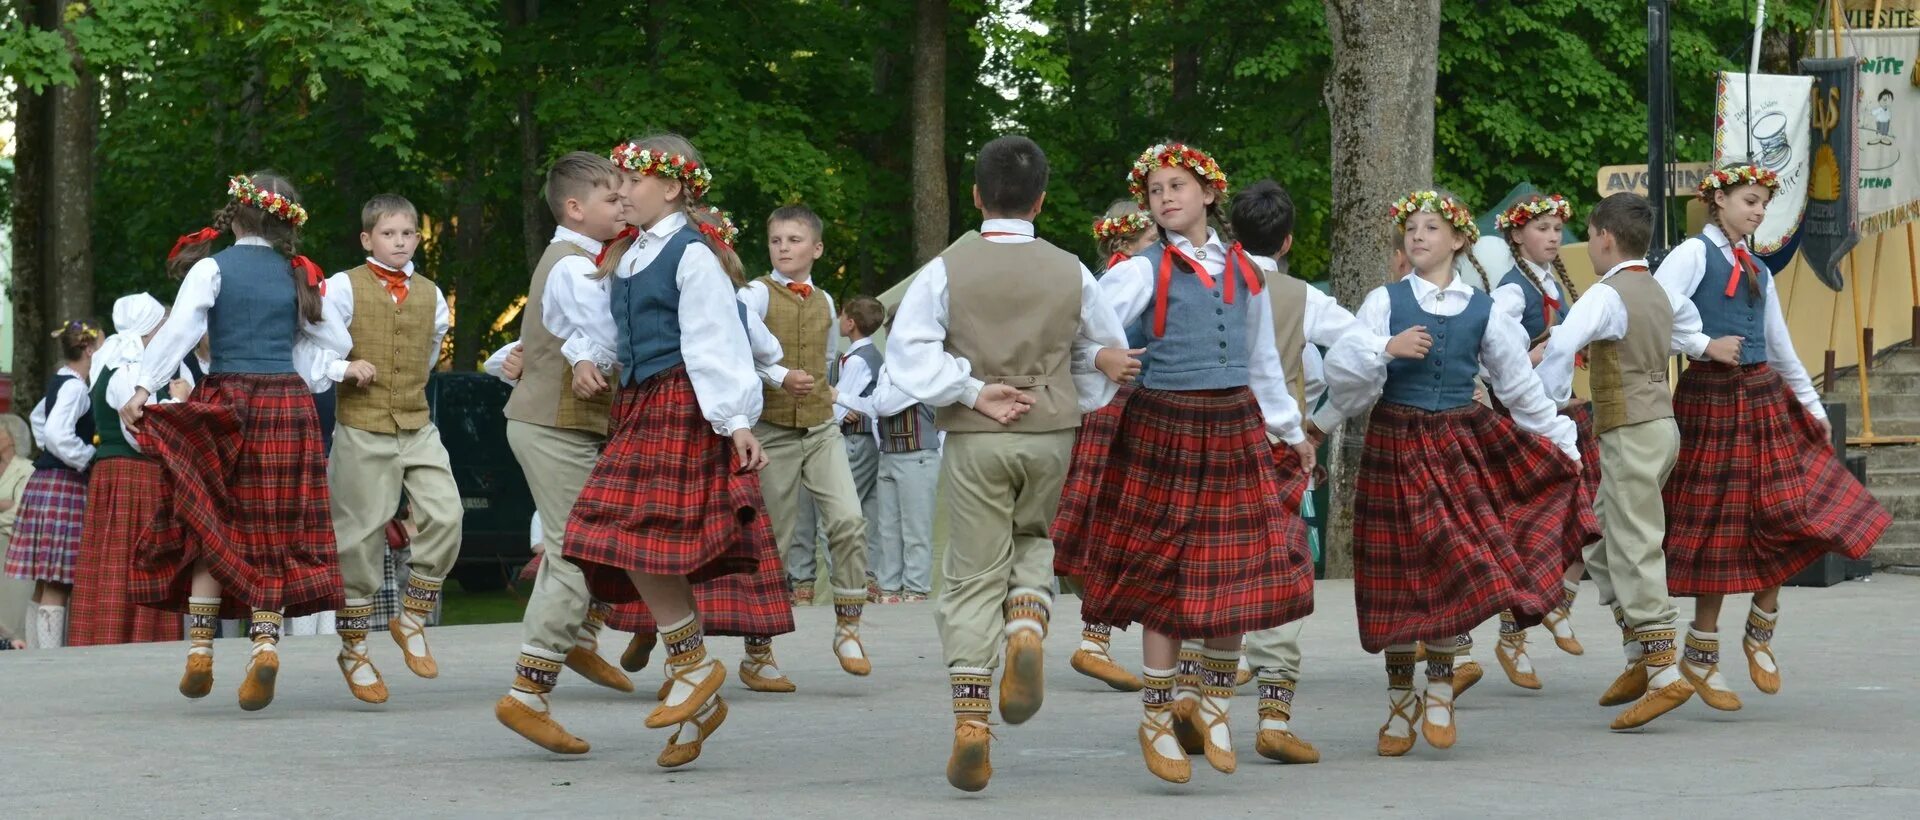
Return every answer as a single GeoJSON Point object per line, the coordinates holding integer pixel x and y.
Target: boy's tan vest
{"type": "Point", "coordinates": [544, 395]}
{"type": "Point", "coordinates": [1629, 376]}
{"type": "Point", "coordinates": [1013, 311]}
{"type": "Point", "coordinates": [398, 341]}
{"type": "Point", "coordinates": [801, 326]}
{"type": "Point", "coordinates": [1289, 299]}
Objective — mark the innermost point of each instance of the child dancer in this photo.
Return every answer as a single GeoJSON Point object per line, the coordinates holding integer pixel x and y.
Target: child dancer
{"type": "Point", "coordinates": [855, 376]}
{"type": "Point", "coordinates": [673, 498]}
{"type": "Point", "coordinates": [909, 439]}
{"type": "Point", "coordinates": [1537, 293]}
{"type": "Point", "coordinates": [120, 496]}
{"type": "Point", "coordinates": [556, 434]}
{"type": "Point", "coordinates": [386, 443]}
{"type": "Point", "coordinates": [1757, 493]}
{"type": "Point", "coordinates": [46, 536]}
{"type": "Point", "coordinates": [1196, 532]}
{"type": "Point", "coordinates": [1630, 327]}
{"type": "Point", "coordinates": [1003, 334]}
{"type": "Point", "coordinates": [243, 525]}
{"type": "Point", "coordinates": [1124, 232]}
{"type": "Point", "coordinates": [1460, 512]}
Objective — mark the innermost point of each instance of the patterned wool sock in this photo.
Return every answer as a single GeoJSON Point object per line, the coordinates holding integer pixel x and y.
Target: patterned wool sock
{"type": "Point", "coordinates": [203, 622]}
{"type": "Point", "coordinates": [1439, 693]}
{"type": "Point", "coordinates": [1400, 695]}
{"type": "Point", "coordinates": [1218, 670]}
{"type": "Point", "coordinates": [265, 630]}
{"type": "Point", "coordinates": [972, 693]}
{"type": "Point", "coordinates": [1096, 638]}
{"type": "Point", "coordinates": [686, 650]}
{"type": "Point", "coordinates": [1156, 697]}
{"type": "Point", "coordinates": [352, 622]}
{"type": "Point", "coordinates": [1276, 700]}
{"type": "Point", "coordinates": [1186, 673]}
{"type": "Point", "coordinates": [1759, 633]}
{"type": "Point", "coordinates": [1702, 657]}
{"type": "Point", "coordinates": [534, 676]}
{"type": "Point", "coordinates": [1657, 649]}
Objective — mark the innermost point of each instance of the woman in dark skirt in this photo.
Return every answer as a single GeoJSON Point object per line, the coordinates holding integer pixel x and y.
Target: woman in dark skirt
{"type": "Point", "coordinates": [1460, 512]}
{"type": "Point", "coordinates": [1122, 233]}
{"type": "Point", "coordinates": [1756, 494]}
{"type": "Point", "coordinates": [46, 535]}
{"type": "Point", "coordinates": [243, 528]}
{"type": "Point", "coordinates": [1190, 532]}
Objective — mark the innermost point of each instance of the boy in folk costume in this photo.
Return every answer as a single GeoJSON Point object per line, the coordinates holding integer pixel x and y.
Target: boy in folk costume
{"type": "Point", "coordinates": [1002, 334]}
{"type": "Point", "coordinates": [385, 442]}
{"type": "Point", "coordinates": [803, 441]}
{"type": "Point", "coordinates": [854, 380]}
{"type": "Point", "coordinates": [1630, 328]}
{"type": "Point", "coordinates": [1757, 493]}
{"type": "Point", "coordinates": [556, 435]}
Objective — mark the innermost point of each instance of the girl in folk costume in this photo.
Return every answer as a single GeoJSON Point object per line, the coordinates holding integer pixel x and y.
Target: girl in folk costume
{"type": "Point", "coordinates": [243, 527]}
{"type": "Point", "coordinates": [1124, 232]}
{"type": "Point", "coordinates": [120, 491]}
{"type": "Point", "coordinates": [1460, 512]}
{"type": "Point", "coordinates": [46, 536]}
{"type": "Point", "coordinates": [1756, 494]}
{"type": "Point", "coordinates": [1537, 293]}
{"type": "Point", "coordinates": [1193, 536]}
{"type": "Point", "coordinates": [674, 498]}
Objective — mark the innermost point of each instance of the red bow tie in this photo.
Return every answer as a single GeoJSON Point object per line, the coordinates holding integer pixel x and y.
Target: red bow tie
{"type": "Point", "coordinates": [800, 289]}
{"type": "Point", "coordinates": [395, 281]}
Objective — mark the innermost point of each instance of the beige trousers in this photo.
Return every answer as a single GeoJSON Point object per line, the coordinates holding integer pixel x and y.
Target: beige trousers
{"type": "Point", "coordinates": [1002, 490]}
{"type": "Point", "coordinates": [1628, 564]}
{"type": "Point", "coordinates": [816, 458]}
{"type": "Point", "coordinates": [556, 462]}
{"type": "Point", "coordinates": [366, 473]}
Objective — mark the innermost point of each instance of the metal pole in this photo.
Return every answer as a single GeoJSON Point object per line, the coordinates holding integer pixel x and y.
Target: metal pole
{"type": "Point", "coordinates": [1657, 54]}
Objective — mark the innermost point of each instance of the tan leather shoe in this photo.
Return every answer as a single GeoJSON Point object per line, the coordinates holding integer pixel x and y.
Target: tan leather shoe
{"type": "Point", "coordinates": [1627, 688]}
{"type": "Point", "coordinates": [1023, 682]}
{"type": "Point", "coordinates": [1170, 769]}
{"type": "Point", "coordinates": [422, 664]}
{"type": "Point", "coordinates": [1439, 737]}
{"type": "Point", "coordinates": [1763, 680]}
{"type": "Point", "coordinates": [1721, 699]}
{"type": "Point", "coordinates": [1101, 667]}
{"type": "Point", "coordinates": [1394, 745]}
{"type": "Point", "coordinates": [970, 766]}
{"type": "Point", "coordinates": [638, 650]}
{"type": "Point", "coordinates": [751, 668]}
{"type": "Point", "coordinates": [349, 662]}
{"type": "Point", "coordinates": [588, 664]}
{"type": "Point", "coordinates": [537, 726]}
{"type": "Point", "coordinates": [1186, 725]}
{"type": "Point", "coordinates": [1285, 747]}
{"type": "Point", "coordinates": [1509, 654]}
{"type": "Point", "coordinates": [666, 715]}
{"type": "Point", "coordinates": [197, 681]}
{"type": "Point", "coordinates": [680, 754]}
{"type": "Point", "coordinates": [1656, 703]}
{"type": "Point", "coordinates": [256, 691]}
{"type": "Point", "coordinates": [1465, 676]}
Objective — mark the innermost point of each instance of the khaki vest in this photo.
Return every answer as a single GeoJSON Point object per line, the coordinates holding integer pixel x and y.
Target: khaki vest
{"type": "Point", "coordinates": [1013, 311]}
{"type": "Point", "coordinates": [544, 395]}
{"type": "Point", "coordinates": [1629, 376]}
{"type": "Point", "coordinates": [801, 326]}
{"type": "Point", "coordinates": [398, 341]}
{"type": "Point", "coordinates": [1289, 299]}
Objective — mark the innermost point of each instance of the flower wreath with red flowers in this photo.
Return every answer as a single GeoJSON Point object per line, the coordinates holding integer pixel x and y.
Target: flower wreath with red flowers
{"type": "Point", "coordinates": [630, 156]}
{"type": "Point", "coordinates": [1432, 202]}
{"type": "Point", "coordinates": [1124, 225]}
{"type": "Point", "coordinates": [725, 232]}
{"type": "Point", "coordinates": [1526, 210]}
{"type": "Point", "coordinates": [1174, 155]}
{"type": "Point", "coordinates": [241, 188]}
{"type": "Point", "coordinates": [1727, 179]}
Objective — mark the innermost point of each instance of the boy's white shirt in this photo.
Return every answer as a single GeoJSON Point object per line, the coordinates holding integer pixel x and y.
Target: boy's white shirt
{"type": "Point", "coordinates": [338, 305]}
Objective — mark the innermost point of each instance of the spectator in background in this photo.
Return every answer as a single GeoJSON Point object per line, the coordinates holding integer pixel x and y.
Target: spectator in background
{"type": "Point", "coordinates": [14, 472]}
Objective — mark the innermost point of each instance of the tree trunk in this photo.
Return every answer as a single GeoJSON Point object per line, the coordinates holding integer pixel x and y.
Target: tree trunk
{"type": "Point", "coordinates": [69, 191]}
{"type": "Point", "coordinates": [929, 113]}
{"type": "Point", "coordinates": [535, 220]}
{"type": "Point", "coordinates": [1186, 62]}
{"type": "Point", "coordinates": [32, 138]}
{"type": "Point", "coordinates": [469, 246]}
{"type": "Point", "coordinates": [1379, 97]}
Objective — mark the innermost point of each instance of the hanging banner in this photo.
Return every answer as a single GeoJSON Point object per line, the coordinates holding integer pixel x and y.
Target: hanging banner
{"type": "Point", "coordinates": [1830, 228]}
{"type": "Point", "coordinates": [1887, 125]}
{"type": "Point", "coordinates": [1764, 119]}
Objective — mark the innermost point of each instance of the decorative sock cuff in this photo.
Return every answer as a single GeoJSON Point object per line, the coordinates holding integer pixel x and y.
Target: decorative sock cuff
{"type": "Point", "coordinates": [536, 672]}
{"type": "Point", "coordinates": [266, 626]}
{"type": "Point", "coordinates": [1656, 645]}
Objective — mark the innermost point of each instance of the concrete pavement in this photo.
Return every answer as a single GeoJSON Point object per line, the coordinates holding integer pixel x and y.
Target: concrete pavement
{"type": "Point", "coordinates": [102, 732]}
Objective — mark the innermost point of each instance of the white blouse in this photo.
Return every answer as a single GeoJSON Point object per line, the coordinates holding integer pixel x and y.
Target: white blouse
{"type": "Point", "coordinates": [53, 428]}
{"type": "Point", "coordinates": [1681, 273]}
{"type": "Point", "coordinates": [187, 323]}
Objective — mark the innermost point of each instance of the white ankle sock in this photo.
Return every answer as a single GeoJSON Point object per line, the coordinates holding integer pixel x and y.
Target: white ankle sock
{"type": "Point", "coordinates": [768, 667]}
{"type": "Point", "coordinates": [416, 639]}
{"type": "Point", "coordinates": [362, 674]}
{"type": "Point", "coordinates": [1093, 646]}
{"type": "Point", "coordinates": [1273, 724]}
{"type": "Point", "coordinates": [1462, 653]}
{"type": "Point", "coordinates": [1439, 703]}
{"type": "Point", "coordinates": [844, 646]}
{"type": "Point", "coordinates": [1165, 745]}
{"type": "Point", "coordinates": [1712, 672]}
{"type": "Point", "coordinates": [49, 627]}
{"type": "Point", "coordinates": [1772, 619]}
{"type": "Point", "coordinates": [689, 731]}
{"type": "Point", "coordinates": [1401, 700]}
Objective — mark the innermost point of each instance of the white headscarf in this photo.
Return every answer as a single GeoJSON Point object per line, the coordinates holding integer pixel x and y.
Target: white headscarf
{"type": "Point", "coordinates": [134, 317]}
{"type": "Point", "coordinates": [1493, 254]}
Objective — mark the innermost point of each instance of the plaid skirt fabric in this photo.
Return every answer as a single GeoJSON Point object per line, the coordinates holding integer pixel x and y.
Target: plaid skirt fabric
{"type": "Point", "coordinates": [1090, 446]}
{"type": "Point", "coordinates": [244, 488]}
{"type": "Point", "coordinates": [745, 604]}
{"type": "Point", "coordinates": [664, 498]}
{"type": "Point", "coordinates": [1757, 493]}
{"type": "Point", "coordinates": [46, 535]}
{"type": "Point", "coordinates": [1197, 533]}
{"type": "Point", "coordinates": [1460, 514]}
{"type": "Point", "coordinates": [122, 494]}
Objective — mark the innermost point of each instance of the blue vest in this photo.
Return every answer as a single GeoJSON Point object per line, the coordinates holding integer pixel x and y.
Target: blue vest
{"type": "Point", "coordinates": [1533, 316]}
{"type": "Point", "coordinates": [646, 311]}
{"type": "Point", "coordinates": [1741, 314]}
{"type": "Point", "coordinates": [1444, 379]}
{"type": "Point", "coordinates": [1205, 346]}
{"type": "Point", "coordinates": [257, 314]}
{"type": "Point", "coordinates": [82, 426]}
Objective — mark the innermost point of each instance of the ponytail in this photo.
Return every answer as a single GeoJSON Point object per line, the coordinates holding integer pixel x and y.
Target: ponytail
{"type": "Point", "coordinates": [189, 249]}
{"type": "Point", "coordinates": [264, 205]}
{"type": "Point", "coordinates": [1475, 262]}
{"type": "Point", "coordinates": [1566, 282]}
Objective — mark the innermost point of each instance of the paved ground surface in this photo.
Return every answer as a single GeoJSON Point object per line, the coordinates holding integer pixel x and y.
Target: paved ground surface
{"type": "Point", "coordinates": [101, 732]}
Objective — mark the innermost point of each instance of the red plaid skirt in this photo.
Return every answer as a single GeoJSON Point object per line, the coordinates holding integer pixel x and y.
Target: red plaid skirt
{"type": "Point", "coordinates": [1757, 494]}
{"type": "Point", "coordinates": [46, 536]}
{"type": "Point", "coordinates": [664, 498]}
{"type": "Point", "coordinates": [1090, 448]}
{"type": "Point", "coordinates": [1197, 533]}
{"type": "Point", "coordinates": [122, 495]}
{"type": "Point", "coordinates": [244, 488]}
{"type": "Point", "coordinates": [1457, 515]}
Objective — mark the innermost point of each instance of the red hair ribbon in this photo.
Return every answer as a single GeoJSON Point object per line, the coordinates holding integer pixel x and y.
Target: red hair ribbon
{"type": "Point", "coordinates": [716, 234]}
{"type": "Point", "coordinates": [1237, 259]}
{"type": "Point", "coordinates": [1117, 258]}
{"type": "Point", "coordinates": [628, 232]}
{"type": "Point", "coordinates": [1741, 261]}
{"type": "Point", "coordinates": [195, 238]}
{"type": "Point", "coordinates": [316, 278]}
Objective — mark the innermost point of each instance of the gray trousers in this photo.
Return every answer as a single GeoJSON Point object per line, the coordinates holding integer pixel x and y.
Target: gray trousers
{"type": "Point", "coordinates": [909, 488]}
{"type": "Point", "coordinates": [863, 458]}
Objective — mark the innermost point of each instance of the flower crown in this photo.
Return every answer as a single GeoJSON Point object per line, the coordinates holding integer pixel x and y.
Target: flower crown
{"type": "Point", "coordinates": [241, 187]}
{"type": "Point", "coordinates": [1523, 212]}
{"type": "Point", "coordinates": [1129, 224]}
{"type": "Point", "coordinates": [631, 157]}
{"type": "Point", "coordinates": [1729, 178]}
{"type": "Point", "coordinates": [86, 329]}
{"type": "Point", "coordinates": [725, 232]}
{"type": "Point", "coordinates": [1174, 155]}
{"type": "Point", "coordinates": [1432, 202]}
